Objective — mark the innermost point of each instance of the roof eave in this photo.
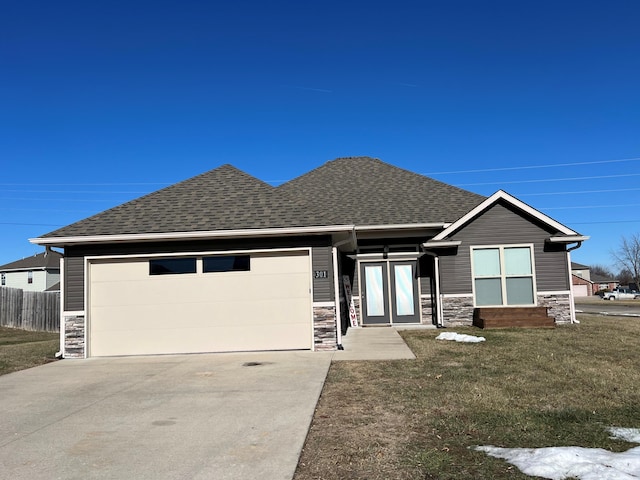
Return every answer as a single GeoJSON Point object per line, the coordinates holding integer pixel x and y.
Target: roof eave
{"type": "Point", "coordinates": [502, 195]}
{"type": "Point", "coordinates": [200, 235]}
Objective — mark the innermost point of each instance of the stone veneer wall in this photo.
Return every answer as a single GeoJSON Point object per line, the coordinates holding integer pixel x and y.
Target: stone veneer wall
{"type": "Point", "coordinates": [427, 310]}
{"type": "Point", "coordinates": [457, 311]}
{"type": "Point", "coordinates": [558, 305]}
{"type": "Point", "coordinates": [325, 336]}
{"type": "Point", "coordinates": [74, 336]}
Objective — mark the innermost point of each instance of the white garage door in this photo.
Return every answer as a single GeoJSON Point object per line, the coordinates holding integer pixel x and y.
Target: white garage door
{"type": "Point", "coordinates": [580, 291]}
{"type": "Point", "coordinates": [263, 302]}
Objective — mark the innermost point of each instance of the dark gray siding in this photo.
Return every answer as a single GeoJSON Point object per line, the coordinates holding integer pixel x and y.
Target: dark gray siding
{"type": "Point", "coordinates": [322, 260]}
{"type": "Point", "coordinates": [73, 283]}
{"type": "Point", "coordinates": [501, 225]}
{"type": "Point", "coordinates": [74, 259]}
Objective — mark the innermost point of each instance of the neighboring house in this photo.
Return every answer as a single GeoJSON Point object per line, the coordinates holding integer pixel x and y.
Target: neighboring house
{"type": "Point", "coordinates": [603, 283]}
{"type": "Point", "coordinates": [36, 273]}
{"type": "Point", "coordinates": [581, 279]}
{"type": "Point", "coordinates": [587, 284]}
{"type": "Point", "coordinates": [225, 262]}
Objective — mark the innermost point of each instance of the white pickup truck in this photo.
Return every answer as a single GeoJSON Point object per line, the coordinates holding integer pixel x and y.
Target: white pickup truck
{"type": "Point", "coordinates": [621, 294]}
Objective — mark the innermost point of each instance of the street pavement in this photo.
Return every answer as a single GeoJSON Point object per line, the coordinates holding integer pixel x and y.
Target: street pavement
{"type": "Point", "coordinates": [595, 305]}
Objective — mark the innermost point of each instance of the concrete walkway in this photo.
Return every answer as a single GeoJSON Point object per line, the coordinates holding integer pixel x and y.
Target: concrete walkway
{"type": "Point", "coordinates": [373, 343]}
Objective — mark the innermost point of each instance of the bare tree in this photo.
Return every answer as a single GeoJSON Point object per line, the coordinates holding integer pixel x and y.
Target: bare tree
{"type": "Point", "coordinates": [627, 256]}
{"type": "Point", "coordinates": [601, 271]}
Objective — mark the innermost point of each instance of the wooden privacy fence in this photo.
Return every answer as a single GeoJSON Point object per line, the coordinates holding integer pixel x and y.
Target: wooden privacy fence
{"type": "Point", "coordinates": [37, 311]}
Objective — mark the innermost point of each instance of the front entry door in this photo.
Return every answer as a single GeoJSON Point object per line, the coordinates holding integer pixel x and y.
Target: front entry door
{"type": "Point", "coordinates": [389, 292]}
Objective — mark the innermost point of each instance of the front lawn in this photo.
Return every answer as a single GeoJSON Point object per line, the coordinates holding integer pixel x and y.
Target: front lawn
{"type": "Point", "coordinates": [521, 388]}
{"type": "Point", "coordinates": [20, 349]}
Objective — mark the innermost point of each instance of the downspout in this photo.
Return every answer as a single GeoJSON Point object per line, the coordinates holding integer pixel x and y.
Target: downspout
{"type": "Point", "coordinates": [572, 306]}
{"type": "Point", "coordinates": [61, 353]}
{"type": "Point", "coordinates": [336, 296]}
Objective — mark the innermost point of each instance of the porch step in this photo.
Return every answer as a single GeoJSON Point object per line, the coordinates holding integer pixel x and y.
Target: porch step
{"type": "Point", "coordinates": [512, 317]}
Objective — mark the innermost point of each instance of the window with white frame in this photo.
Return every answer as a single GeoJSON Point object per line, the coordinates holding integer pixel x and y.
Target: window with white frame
{"type": "Point", "coordinates": [503, 275]}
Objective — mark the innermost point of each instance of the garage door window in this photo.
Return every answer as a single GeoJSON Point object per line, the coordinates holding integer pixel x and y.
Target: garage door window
{"type": "Point", "coordinates": [172, 266]}
{"type": "Point", "coordinates": [226, 263]}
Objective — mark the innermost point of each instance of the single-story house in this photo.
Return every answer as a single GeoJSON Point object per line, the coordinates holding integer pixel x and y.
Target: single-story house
{"type": "Point", "coordinates": [226, 262]}
{"type": "Point", "coordinates": [587, 284]}
{"type": "Point", "coordinates": [601, 283]}
{"type": "Point", "coordinates": [36, 273]}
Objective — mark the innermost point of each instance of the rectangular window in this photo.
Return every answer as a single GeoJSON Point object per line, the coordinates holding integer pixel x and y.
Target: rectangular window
{"type": "Point", "coordinates": [503, 275]}
{"type": "Point", "coordinates": [4, 279]}
{"type": "Point", "coordinates": [226, 263]}
{"type": "Point", "coordinates": [172, 266]}
{"type": "Point", "coordinates": [29, 276]}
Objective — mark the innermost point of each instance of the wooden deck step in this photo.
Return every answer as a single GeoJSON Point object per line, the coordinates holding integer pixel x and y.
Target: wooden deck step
{"type": "Point", "coordinates": [512, 317]}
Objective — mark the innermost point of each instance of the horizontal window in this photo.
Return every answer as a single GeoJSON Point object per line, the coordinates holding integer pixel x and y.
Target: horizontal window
{"type": "Point", "coordinates": [226, 263]}
{"type": "Point", "coordinates": [172, 266]}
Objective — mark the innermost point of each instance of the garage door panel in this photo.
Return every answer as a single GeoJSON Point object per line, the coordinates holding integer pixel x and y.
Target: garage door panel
{"type": "Point", "coordinates": [211, 339]}
{"type": "Point", "coordinates": [268, 307]}
{"type": "Point", "coordinates": [195, 289]}
{"type": "Point", "coordinates": [224, 314]}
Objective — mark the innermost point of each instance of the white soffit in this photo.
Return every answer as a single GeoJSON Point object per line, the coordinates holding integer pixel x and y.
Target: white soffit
{"type": "Point", "coordinates": [502, 195]}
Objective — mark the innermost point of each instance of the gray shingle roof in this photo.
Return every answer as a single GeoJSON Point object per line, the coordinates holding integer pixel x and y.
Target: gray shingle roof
{"type": "Point", "coordinates": [346, 191]}
{"type": "Point", "coordinates": [368, 191]}
{"type": "Point", "coordinates": [222, 199]}
{"type": "Point", "coordinates": [39, 261]}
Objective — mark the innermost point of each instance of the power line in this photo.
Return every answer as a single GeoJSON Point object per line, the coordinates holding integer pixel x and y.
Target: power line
{"type": "Point", "coordinates": [579, 192]}
{"type": "Point", "coordinates": [604, 222]}
{"type": "Point", "coordinates": [548, 180]}
{"type": "Point", "coordinates": [80, 184]}
{"type": "Point", "coordinates": [590, 206]}
{"type": "Point", "coordinates": [75, 191]}
{"type": "Point", "coordinates": [32, 224]}
{"type": "Point", "coordinates": [531, 167]}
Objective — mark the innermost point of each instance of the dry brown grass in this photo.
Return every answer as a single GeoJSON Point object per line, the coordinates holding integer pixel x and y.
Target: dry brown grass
{"type": "Point", "coordinates": [20, 349]}
{"type": "Point", "coordinates": [521, 388]}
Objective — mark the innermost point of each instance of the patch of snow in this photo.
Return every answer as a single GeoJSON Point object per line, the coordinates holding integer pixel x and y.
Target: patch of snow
{"type": "Point", "coordinates": [631, 435]}
{"type": "Point", "coordinates": [557, 463]}
{"type": "Point", "coordinates": [459, 337]}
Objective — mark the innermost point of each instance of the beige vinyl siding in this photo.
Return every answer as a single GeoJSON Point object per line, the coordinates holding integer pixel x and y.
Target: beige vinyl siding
{"type": "Point", "coordinates": [503, 226]}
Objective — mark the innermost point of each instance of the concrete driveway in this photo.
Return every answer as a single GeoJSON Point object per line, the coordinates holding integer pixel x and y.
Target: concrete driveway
{"type": "Point", "coordinates": [221, 416]}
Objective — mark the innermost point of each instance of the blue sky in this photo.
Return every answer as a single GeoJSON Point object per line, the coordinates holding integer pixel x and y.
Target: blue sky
{"type": "Point", "coordinates": [101, 102]}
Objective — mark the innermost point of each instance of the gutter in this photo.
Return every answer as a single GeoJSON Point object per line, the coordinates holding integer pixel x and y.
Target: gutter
{"type": "Point", "coordinates": [151, 237]}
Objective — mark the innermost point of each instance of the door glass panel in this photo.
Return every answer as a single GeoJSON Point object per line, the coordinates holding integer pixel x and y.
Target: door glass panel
{"type": "Point", "coordinates": [404, 289]}
{"type": "Point", "coordinates": [488, 291]}
{"type": "Point", "coordinates": [375, 296]}
{"type": "Point", "coordinates": [517, 261]}
{"type": "Point", "coordinates": [486, 262]}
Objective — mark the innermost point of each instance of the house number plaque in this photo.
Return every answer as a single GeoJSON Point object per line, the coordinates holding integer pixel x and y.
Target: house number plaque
{"type": "Point", "coordinates": [320, 274]}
